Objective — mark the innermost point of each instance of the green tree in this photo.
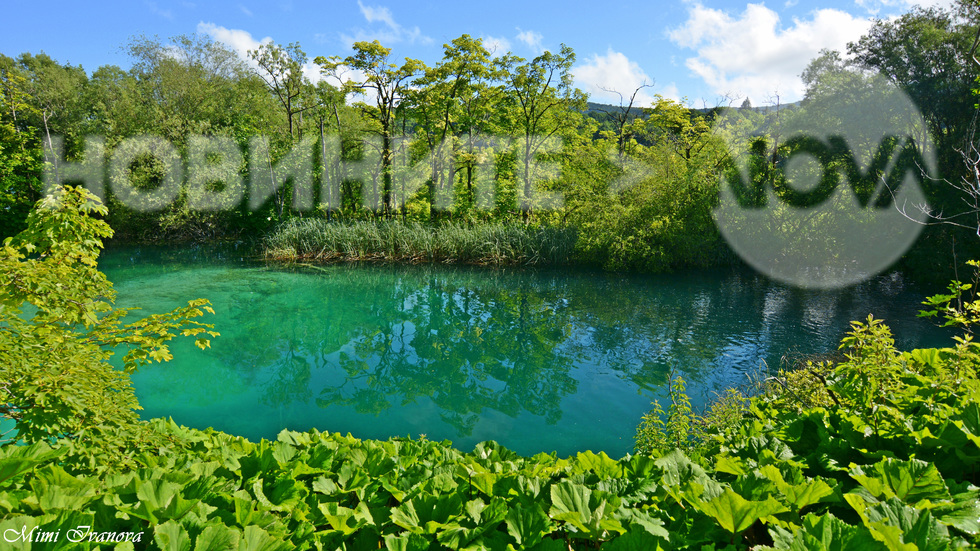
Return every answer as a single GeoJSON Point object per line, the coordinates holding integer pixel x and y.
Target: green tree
{"type": "Point", "coordinates": [58, 330]}
{"type": "Point", "coordinates": [281, 67]}
{"type": "Point", "coordinates": [545, 106]}
{"type": "Point", "coordinates": [54, 91]}
{"type": "Point", "coordinates": [926, 53]}
{"type": "Point", "coordinates": [452, 104]}
{"type": "Point", "coordinates": [21, 159]}
{"type": "Point", "coordinates": [386, 82]}
{"type": "Point", "coordinates": [180, 88]}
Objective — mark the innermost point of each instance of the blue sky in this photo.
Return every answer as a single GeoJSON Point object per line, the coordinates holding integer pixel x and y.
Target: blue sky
{"type": "Point", "coordinates": [702, 51]}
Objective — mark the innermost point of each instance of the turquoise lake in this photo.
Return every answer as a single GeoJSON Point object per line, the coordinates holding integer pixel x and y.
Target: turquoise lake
{"type": "Point", "coordinates": [537, 359]}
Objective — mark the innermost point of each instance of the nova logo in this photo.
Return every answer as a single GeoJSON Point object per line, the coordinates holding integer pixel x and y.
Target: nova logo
{"type": "Point", "coordinates": [826, 195]}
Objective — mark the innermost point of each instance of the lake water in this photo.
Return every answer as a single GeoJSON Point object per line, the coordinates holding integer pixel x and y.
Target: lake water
{"type": "Point", "coordinates": [537, 359]}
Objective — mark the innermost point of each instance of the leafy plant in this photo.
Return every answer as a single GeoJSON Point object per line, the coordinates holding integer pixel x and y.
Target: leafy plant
{"type": "Point", "coordinates": [680, 427]}
{"type": "Point", "coordinates": [58, 329]}
{"type": "Point", "coordinates": [956, 307]}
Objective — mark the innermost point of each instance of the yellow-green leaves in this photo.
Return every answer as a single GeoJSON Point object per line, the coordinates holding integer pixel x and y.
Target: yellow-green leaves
{"type": "Point", "coordinates": [736, 514]}
{"type": "Point", "coordinates": [58, 381]}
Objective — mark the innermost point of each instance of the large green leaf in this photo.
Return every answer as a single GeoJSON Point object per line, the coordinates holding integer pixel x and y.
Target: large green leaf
{"type": "Point", "coordinates": [590, 518]}
{"type": "Point", "coordinates": [900, 526]}
{"type": "Point", "coordinates": [217, 537]}
{"type": "Point", "coordinates": [56, 489]}
{"type": "Point", "coordinates": [567, 497]}
{"type": "Point", "coordinates": [283, 495]}
{"type": "Point", "coordinates": [963, 513]}
{"type": "Point", "coordinates": [257, 539]}
{"type": "Point", "coordinates": [826, 533]}
{"type": "Point", "coordinates": [528, 525]}
{"type": "Point", "coordinates": [917, 527]}
{"type": "Point", "coordinates": [345, 520]}
{"type": "Point", "coordinates": [352, 477]}
{"type": "Point", "coordinates": [171, 536]}
{"type": "Point", "coordinates": [801, 494]}
{"type": "Point", "coordinates": [910, 481]}
{"type": "Point", "coordinates": [17, 460]}
{"type": "Point", "coordinates": [600, 464]}
{"type": "Point", "coordinates": [735, 514]}
{"type": "Point", "coordinates": [636, 540]}
{"type": "Point", "coordinates": [426, 513]}
{"type": "Point", "coordinates": [406, 541]}
{"type": "Point", "coordinates": [642, 519]}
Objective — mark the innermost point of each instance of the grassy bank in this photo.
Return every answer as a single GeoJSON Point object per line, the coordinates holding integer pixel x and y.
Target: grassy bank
{"type": "Point", "coordinates": [494, 244]}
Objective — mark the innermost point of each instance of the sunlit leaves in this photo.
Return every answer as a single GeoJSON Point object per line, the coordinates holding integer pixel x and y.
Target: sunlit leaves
{"type": "Point", "coordinates": [56, 378]}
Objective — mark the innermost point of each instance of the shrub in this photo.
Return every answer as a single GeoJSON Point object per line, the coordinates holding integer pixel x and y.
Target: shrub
{"type": "Point", "coordinates": [58, 329]}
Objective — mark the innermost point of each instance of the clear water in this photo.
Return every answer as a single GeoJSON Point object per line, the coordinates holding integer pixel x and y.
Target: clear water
{"type": "Point", "coordinates": [539, 360]}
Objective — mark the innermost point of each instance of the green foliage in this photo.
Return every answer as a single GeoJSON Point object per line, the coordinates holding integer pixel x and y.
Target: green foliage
{"type": "Point", "coordinates": [58, 329]}
{"type": "Point", "coordinates": [879, 450]}
{"type": "Point", "coordinates": [661, 431]}
{"type": "Point", "coordinates": [318, 239]}
{"type": "Point", "coordinates": [684, 429]}
{"type": "Point", "coordinates": [651, 210]}
{"type": "Point", "coordinates": [954, 306]}
{"type": "Point", "coordinates": [20, 152]}
{"type": "Point", "coordinates": [892, 465]}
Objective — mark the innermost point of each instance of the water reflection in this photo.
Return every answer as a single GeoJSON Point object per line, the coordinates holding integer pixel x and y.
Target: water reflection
{"type": "Point", "coordinates": [539, 360]}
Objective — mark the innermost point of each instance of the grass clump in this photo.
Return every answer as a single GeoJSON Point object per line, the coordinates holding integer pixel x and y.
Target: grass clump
{"type": "Point", "coordinates": [391, 240]}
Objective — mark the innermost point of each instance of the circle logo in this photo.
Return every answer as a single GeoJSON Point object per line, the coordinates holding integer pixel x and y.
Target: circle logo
{"type": "Point", "coordinates": [826, 193]}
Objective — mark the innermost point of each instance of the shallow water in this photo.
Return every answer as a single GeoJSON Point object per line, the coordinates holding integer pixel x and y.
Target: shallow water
{"type": "Point", "coordinates": [538, 360]}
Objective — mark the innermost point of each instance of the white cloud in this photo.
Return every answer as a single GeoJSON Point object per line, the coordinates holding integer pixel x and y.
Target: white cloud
{"type": "Point", "coordinates": [377, 14]}
{"type": "Point", "coordinates": [242, 41]}
{"type": "Point", "coordinates": [670, 91]}
{"type": "Point", "coordinates": [753, 55]}
{"type": "Point", "coordinates": [166, 14]}
{"type": "Point", "coordinates": [389, 33]}
{"type": "Point", "coordinates": [603, 76]}
{"type": "Point", "coordinates": [896, 7]}
{"type": "Point", "coordinates": [239, 40]}
{"type": "Point", "coordinates": [496, 46]}
{"type": "Point", "coordinates": [245, 10]}
{"type": "Point", "coordinates": [531, 39]}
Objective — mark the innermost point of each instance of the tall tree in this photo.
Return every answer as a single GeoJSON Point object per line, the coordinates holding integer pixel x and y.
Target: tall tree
{"type": "Point", "coordinates": [627, 120]}
{"type": "Point", "coordinates": [924, 52]}
{"type": "Point", "coordinates": [21, 158]}
{"type": "Point", "coordinates": [545, 104]}
{"type": "Point", "coordinates": [55, 90]}
{"type": "Point", "coordinates": [451, 104]}
{"type": "Point", "coordinates": [281, 67]}
{"type": "Point", "coordinates": [385, 81]}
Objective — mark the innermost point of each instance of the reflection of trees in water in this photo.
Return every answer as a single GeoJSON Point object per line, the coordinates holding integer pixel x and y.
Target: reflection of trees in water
{"type": "Point", "coordinates": [371, 339]}
{"type": "Point", "coordinates": [463, 348]}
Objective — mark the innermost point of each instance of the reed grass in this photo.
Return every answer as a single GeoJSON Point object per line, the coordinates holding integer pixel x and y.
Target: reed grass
{"type": "Point", "coordinates": [491, 244]}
